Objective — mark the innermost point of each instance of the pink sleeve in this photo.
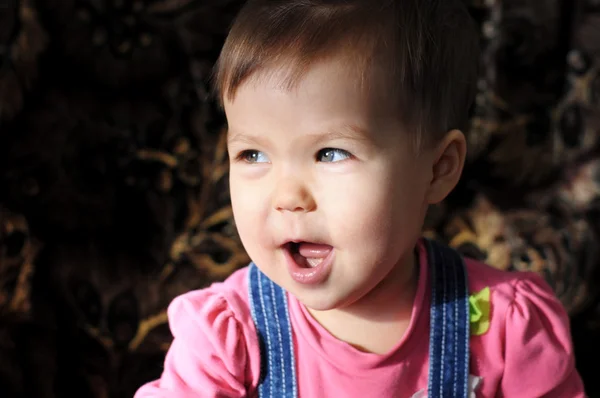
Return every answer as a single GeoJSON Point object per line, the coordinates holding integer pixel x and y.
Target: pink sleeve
{"type": "Point", "coordinates": [539, 359]}
{"type": "Point", "coordinates": [214, 353]}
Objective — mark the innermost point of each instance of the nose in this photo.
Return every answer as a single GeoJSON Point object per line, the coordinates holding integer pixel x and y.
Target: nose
{"type": "Point", "coordinates": [293, 195]}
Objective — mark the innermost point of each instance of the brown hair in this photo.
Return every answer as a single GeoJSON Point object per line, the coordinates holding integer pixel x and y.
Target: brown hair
{"type": "Point", "coordinates": [427, 50]}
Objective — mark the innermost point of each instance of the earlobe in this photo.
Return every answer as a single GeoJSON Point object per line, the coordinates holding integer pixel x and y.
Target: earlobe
{"type": "Point", "coordinates": [449, 160]}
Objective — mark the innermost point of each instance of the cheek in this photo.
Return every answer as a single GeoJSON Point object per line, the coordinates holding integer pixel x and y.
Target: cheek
{"type": "Point", "coordinates": [374, 208]}
{"type": "Point", "coordinates": [358, 205]}
{"type": "Point", "coordinates": [246, 203]}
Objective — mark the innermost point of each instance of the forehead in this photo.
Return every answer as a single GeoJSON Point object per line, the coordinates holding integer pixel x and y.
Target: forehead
{"type": "Point", "coordinates": [327, 103]}
{"type": "Point", "coordinates": [328, 90]}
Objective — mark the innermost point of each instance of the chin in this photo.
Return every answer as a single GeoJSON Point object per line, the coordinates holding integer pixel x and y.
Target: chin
{"type": "Point", "coordinates": [321, 307]}
{"type": "Point", "coordinates": [322, 304]}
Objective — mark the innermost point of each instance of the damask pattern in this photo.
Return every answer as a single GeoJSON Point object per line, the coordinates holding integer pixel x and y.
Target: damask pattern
{"type": "Point", "coordinates": [113, 177]}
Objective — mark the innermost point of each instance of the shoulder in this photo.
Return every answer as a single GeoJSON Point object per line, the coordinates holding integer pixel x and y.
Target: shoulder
{"type": "Point", "coordinates": [512, 289]}
{"type": "Point", "coordinates": [215, 350]}
{"type": "Point", "coordinates": [528, 333]}
{"type": "Point", "coordinates": [216, 322]}
{"type": "Point", "coordinates": [217, 307]}
{"type": "Point", "coordinates": [516, 298]}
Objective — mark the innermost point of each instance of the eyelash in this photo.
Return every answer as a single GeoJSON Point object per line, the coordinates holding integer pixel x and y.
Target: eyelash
{"type": "Point", "coordinates": [346, 154]}
{"type": "Point", "coordinates": [243, 156]}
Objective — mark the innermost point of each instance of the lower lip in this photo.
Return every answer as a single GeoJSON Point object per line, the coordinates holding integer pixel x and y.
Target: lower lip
{"type": "Point", "coordinates": [306, 275]}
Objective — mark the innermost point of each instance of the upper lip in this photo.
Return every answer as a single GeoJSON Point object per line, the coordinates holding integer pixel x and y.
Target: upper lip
{"type": "Point", "coordinates": [289, 242]}
{"type": "Point", "coordinates": [300, 240]}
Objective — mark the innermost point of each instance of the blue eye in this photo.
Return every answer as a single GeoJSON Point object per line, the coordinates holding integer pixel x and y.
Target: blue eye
{"type": "Point", "coordinates": [332, 155]}
{"type": "Point", "coordinates": [253, 156]}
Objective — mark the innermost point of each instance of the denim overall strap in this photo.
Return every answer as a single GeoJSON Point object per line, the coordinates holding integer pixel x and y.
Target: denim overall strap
{"type": "Point", "coordinates": [269, 308]}
{"type": "Point", "coordinates": [449, 324]}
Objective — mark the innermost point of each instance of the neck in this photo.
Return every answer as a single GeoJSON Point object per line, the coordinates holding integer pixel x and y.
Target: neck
{"type": "Point", "coordinates": [384, 312]}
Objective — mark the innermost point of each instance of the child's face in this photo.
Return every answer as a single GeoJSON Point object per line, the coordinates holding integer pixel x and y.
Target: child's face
{"type": "Point", "coordinates": [324, 163]}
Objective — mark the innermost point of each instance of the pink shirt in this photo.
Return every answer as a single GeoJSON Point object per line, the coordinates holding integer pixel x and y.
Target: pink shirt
{"type": "Point", "coordinates": [526, 352]}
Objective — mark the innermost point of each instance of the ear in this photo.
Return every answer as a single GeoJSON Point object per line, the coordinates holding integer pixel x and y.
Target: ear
{"type": "Point", "coordinates": [449, 160]}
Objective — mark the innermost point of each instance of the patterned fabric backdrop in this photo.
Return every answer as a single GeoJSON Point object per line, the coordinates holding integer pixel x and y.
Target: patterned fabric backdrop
{"type": "Point", "coordinates": [113, 177]}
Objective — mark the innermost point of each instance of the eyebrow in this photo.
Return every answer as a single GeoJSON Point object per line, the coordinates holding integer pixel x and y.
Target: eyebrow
{"type": "Point", "coordinates": [343, 132]}
{"type": "Point", "coordinates": [338, 132]}
{"type": "Point", "coordinates": [243, 138]}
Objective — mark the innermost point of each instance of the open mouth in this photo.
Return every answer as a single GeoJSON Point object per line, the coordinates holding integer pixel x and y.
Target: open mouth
{"type": "Point", "coordinates": [308, 263]}
{"type": "Point", "coordinates": [308, 255]}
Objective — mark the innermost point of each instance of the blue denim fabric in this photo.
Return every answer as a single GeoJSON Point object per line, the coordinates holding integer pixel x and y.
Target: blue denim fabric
{"type": "Point", "coordinates": [449, 324]}
{"type": "Point", "coordinates": [448, 334]}
{"type": "Point", "coordinates": [270, 313]}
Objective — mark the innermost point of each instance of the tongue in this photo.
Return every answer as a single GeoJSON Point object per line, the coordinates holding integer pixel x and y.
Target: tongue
{"type": "Point", "coordinates": [311, 254]}
{"type": "Point", "coordinates": [313, 250]}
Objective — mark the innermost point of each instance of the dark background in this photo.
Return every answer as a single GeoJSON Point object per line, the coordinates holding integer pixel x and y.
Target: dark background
{"type": "Point", "coordinates": [113, 177]}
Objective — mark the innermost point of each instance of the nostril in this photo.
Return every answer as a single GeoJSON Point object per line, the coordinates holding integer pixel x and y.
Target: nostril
{"type": "Point", "coordinates": [293, 197]}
